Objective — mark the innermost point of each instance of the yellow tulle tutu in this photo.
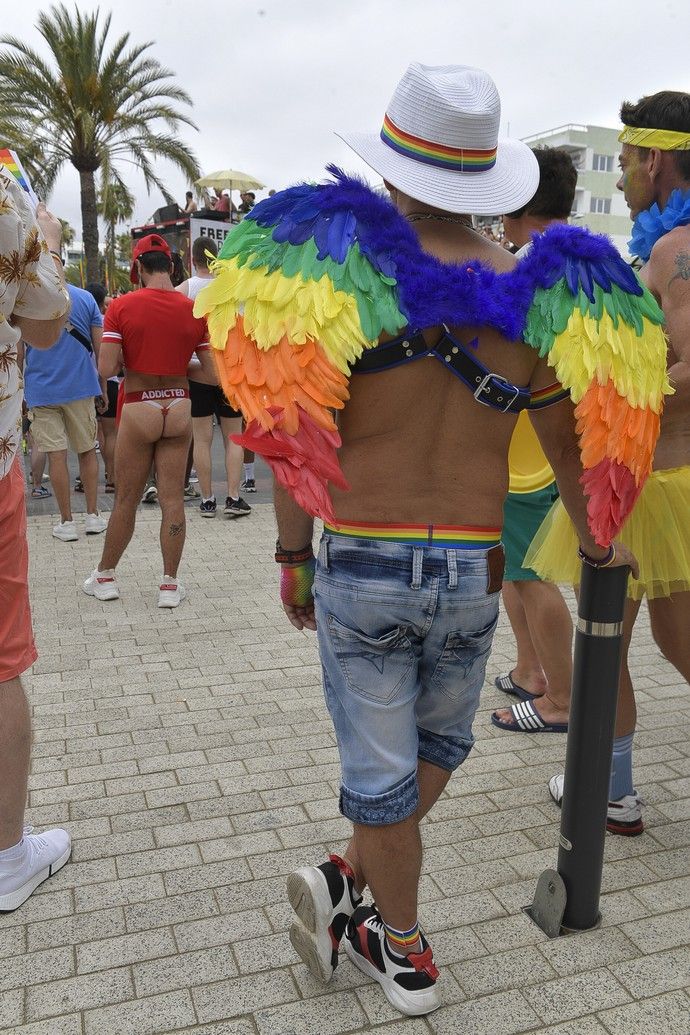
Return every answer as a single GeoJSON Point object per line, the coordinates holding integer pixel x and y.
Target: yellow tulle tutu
{"type": "Point", "coordinates": [657, 532]}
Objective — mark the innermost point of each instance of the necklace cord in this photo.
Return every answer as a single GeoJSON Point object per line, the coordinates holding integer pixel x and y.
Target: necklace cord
{"type": "Point", "coordinates": [418, 217]}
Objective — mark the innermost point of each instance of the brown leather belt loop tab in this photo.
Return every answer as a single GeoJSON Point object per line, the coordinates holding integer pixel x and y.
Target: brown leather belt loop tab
{"type": "Point", "coordinates": [496, 563]}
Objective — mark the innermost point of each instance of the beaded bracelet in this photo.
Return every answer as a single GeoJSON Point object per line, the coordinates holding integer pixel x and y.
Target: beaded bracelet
{"type": "Point", "coordinates": [605, 562]}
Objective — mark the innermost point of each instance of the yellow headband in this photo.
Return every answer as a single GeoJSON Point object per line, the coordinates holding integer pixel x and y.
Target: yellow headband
{"type": "Point", "coordinates": [664, 139]}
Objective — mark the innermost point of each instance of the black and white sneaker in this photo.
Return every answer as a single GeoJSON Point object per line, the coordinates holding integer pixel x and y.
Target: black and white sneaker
{"type": "Point", "coordinates": [324, 899]}
{"type": "Point", "coordinates": [249, 485]}
{"type": "Point", "coordinates": [409, 982]}
{"type": "Point", "coordinates": [236, 508]}
{"type": "Point", "coordinates": [208, 507]}
{"type": "Point", "coordinates": [623, 816]}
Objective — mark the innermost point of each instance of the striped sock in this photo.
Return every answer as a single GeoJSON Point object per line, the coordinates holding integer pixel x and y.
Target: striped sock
{"type": "Point", "coordinates": [402, 941]}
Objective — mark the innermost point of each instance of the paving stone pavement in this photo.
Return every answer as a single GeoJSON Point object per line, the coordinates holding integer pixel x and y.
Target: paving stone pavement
{"type": "Point", "coordinates": [190, 754]}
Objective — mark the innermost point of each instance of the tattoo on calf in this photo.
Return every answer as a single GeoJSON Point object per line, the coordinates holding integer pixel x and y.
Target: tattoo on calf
{"type": "Point", "coordinates": [175, 529]}
{"type": "Point", "coordinates": [682, 262]}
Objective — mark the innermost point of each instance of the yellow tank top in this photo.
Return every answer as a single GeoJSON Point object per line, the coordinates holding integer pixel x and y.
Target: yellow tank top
{"type": "Point", "coordinates": [529, 468]}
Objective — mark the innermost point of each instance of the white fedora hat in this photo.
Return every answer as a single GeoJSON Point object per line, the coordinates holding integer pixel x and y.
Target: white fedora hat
{"type": "Point", "coordinates": [439, 143]}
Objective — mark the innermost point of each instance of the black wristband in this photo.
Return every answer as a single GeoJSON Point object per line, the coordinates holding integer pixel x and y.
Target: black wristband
{"type": "Point", "coordinates": [284, 556]}
{"type": "Point", "coordinates": [603, 563]}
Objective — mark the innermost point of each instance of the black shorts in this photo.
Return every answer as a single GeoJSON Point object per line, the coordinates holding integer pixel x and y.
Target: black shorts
{"type": "Point", "coordinates": [113, 389]}
{"type": "Point", "coordinates": [209, 401]}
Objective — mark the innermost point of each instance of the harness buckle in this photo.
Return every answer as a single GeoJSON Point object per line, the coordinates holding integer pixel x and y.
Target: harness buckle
{"type": "Point", "coordinates": [484, 386]}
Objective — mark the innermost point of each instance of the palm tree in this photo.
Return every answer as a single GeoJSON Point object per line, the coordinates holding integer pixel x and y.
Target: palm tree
{"type": "Point", "coordinates": [92, 107]}
{"type": "Point", "coordinates": [115, 205]}
{"type": "Point", "coordinates": [67, 233]}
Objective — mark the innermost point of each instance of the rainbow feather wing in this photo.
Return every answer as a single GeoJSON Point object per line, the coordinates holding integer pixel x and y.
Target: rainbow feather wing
{"type": "Point", "coordinates": [601, 331]}
{"type": "Point", "coordinates": [302, 287]}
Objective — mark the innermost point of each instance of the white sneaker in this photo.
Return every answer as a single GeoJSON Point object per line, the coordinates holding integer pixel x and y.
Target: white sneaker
{"type": "Point", "coordinates": [102, 585]}
{"type": "Point", "coordinates": [94, 524]}
{"type": "Point", "coordinates": [171, 593]}
{"type": "Point", "coordinates": [66, 531]}
{"type": "Point", "coordinates": [624, 815]}
{"type": "Point", "coordinates": [42, 856]}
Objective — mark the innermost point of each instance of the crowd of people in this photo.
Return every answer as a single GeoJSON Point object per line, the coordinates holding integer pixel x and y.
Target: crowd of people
{"type": "Point", "coordinates": [219, 204]}
{"type": "Point", "coordinates": [404, 590]}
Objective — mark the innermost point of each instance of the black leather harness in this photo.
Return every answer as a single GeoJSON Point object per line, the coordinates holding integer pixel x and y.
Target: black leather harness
{"type": "Point", "coordinates": [488, 388]}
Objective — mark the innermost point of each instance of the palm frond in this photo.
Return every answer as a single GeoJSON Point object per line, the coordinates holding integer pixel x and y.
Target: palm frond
{"type": "Point", "coordinates": [94, 102]}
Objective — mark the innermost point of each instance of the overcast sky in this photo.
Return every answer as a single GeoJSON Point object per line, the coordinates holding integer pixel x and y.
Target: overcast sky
{"type": "Point", "coordinates": [271, 79]}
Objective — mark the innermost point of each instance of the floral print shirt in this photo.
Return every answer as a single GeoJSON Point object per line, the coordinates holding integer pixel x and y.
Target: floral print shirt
{"type": "Point", "coordinates": [30, 287]}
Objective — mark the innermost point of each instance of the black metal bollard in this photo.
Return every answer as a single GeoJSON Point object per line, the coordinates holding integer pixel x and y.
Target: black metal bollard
{"type": "Point", "coordinates": [596, 670]}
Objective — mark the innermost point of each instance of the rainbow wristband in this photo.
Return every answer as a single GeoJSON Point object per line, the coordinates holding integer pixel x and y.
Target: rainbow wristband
{"type": "Point", "coordinates": [296, 583]}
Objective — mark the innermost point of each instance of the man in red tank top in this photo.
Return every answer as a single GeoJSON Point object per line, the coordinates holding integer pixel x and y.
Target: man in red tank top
{"type": "Point", "coordinates": [153, 334]}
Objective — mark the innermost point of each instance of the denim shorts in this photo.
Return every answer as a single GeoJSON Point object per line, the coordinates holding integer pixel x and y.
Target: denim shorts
{"type": "Point", "coordinates": [404, 635]}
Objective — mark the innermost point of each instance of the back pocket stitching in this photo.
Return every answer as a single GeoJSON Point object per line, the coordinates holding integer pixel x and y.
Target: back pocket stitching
{"type": "Point", "coordinates": [338, 639]}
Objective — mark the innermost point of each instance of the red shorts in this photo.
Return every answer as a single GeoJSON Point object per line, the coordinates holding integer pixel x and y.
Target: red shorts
{"type": "Point", "coordinates": [17, 647]}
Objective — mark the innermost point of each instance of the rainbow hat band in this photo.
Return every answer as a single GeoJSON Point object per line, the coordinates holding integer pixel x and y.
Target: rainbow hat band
{"type": "Point", "coordinates": [664, 139]}
{"type": "Point", "coordinates": [442, 156]}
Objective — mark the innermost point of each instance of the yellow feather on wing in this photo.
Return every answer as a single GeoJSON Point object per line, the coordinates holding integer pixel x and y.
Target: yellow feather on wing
{"type": "Point", "coordinates": [590, 350]}
{"type": "Point", "coordinates": [275, 307]}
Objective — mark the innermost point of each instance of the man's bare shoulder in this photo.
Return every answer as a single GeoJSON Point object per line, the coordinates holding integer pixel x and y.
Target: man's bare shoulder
{"type": "Point", "coordinates": [667, 274]}
{"type": "Point", "coordinates": [501, 259]}
{"type": "Point", "coordinates": [490, 253]}
{"type": "Point", "coordinates": [669, 261]}
{"type": "Point", "coordinates": [466, 249]}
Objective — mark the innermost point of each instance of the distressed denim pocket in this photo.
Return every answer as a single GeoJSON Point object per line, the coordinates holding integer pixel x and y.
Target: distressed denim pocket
{"type": "Point", "coordinates": [464, 655]}
{"type": "Point", "coordinates": [374, 666]}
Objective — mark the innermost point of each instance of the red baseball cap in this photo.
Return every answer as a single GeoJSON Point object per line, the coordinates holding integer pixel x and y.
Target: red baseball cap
{"type": "Point", "coordinates": [150, 243]}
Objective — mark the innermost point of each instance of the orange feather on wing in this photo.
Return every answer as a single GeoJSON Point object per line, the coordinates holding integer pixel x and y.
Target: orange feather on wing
{"type": "Point", "coordinates": [611, 428]}
{"type": "Point", "coordinates": [286, 376]}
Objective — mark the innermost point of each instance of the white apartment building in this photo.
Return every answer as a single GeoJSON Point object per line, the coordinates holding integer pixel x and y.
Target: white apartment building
{"type": "Point", "coordinates": [595, 151]}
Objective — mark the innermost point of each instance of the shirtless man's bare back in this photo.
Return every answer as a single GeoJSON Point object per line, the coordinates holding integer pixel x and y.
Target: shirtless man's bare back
{"type": "Point", "coordinates": [153, 334]}
{"type": "Point", "coordinates": [389, 431]}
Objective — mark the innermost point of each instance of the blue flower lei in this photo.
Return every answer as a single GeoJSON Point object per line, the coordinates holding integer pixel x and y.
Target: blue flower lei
{"type": "Point", "coordinates": [652, 224]}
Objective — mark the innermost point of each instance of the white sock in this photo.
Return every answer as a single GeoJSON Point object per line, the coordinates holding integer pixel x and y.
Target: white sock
{"type": "Point", "coordinates": [209, 499]}
{"type": "Point", "coordinates": [248, 470]}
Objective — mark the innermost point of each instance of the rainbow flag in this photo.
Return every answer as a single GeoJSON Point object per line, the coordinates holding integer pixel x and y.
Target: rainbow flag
{"type": "Point", "coordinates": [11, 161]}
